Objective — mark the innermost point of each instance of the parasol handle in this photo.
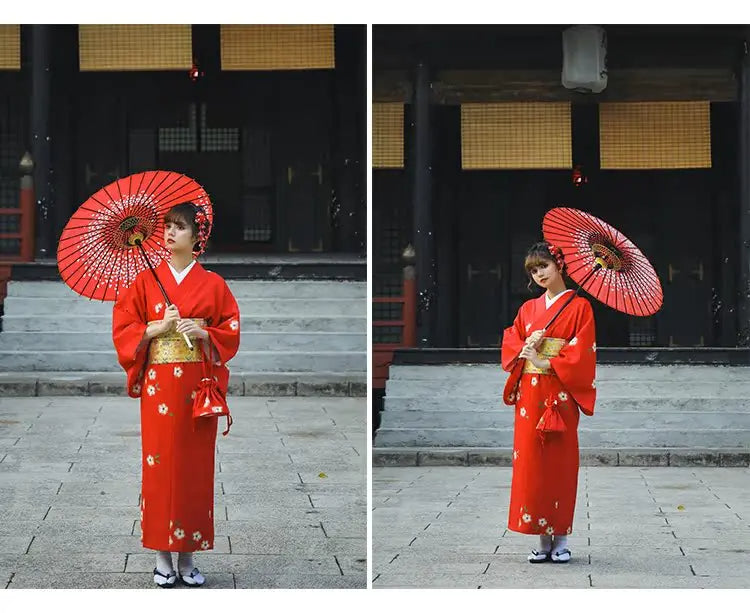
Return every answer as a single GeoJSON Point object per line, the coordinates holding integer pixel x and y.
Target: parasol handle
{"type": "Point", "coordinates": [596, 267]}
{"type": "Point", "coordinates": [161, 287]}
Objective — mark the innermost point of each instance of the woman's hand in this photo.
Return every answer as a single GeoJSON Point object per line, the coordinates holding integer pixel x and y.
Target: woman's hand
{"type": "Point", "coordinates": [189, 327]}
{"type": "Point", "coordinates": [530, 354]}
{"type": "Point", "coordinates": [535, 338]}
{"type": "Point", "coordinates": [171, 316]}
{"type": "Point", "coordinates": [157, 328]}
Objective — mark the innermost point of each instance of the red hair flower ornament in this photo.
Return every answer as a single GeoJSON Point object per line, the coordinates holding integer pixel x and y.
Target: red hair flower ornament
{"type": "Point", "coordinates": [557, 253]}
{"type": "Point", "coordinates": [204, 230]}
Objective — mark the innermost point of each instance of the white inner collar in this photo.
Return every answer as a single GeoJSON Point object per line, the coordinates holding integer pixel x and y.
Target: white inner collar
{"type": "Point", "coordinates": [550, 301]}
{"type": "Point", "coordinates": [179, 276]}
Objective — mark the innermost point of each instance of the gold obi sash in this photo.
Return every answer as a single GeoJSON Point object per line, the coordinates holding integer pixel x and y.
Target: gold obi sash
{"type": "Point", "coordinates": [550, 348]}
{"type": "Point", "coordinates": [171, 347]}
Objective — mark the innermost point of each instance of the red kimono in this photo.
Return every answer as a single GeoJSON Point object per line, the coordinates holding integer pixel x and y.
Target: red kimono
{"type": "Point", "coordinates": [177, 495]}
{"type": "Point", "coordinates": [545, 441]}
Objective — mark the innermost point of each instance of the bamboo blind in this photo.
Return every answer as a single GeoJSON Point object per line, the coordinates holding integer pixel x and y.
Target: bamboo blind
{"type": "Point", "coordinates": [516, 135]}
{"type": "Point", "coordinates": [277, 47]}
{"type": "Point", "coordinates": [135, 47]}
{"type": "Point", "coordinates": [650, 135]}
{"type": "Point", "coordinates": [387, 135]}
{"type": "Point", "coordinates": [10, 47]}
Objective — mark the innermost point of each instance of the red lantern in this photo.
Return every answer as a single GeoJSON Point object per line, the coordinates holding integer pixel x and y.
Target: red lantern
{"type": "Point", "coordinates": [195, 73]}
{"type": "Point", "coordinates": [578, 177]}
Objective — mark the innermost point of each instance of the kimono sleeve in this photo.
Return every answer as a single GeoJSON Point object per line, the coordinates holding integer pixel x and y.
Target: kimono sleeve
{"type": "Point", "coordinates": [575, 366]}
{"type": "Point", "coordinates": [514, 338]}
{"type": "Point", "coordinates": [224, 330]}
{"type": "Point", "coordinates": [128, 327]}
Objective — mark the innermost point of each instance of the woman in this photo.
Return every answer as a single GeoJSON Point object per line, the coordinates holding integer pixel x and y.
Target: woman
{"type": "Point", "coordinates": [178, 451]}
{"type": "Point", "coordinates": [553, 377]}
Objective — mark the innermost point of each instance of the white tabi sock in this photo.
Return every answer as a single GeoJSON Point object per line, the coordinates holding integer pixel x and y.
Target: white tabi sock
{"type": "Point", "coordinates": [190, 575]}
{"type": "Point", "coordinates": [185, 563]}
{"type": "Point", "coordinates": [545, 543]}
{"type": "Point", "coordinates": [164, 562]}
{"type": "Point", "coordinates": [560, 543]}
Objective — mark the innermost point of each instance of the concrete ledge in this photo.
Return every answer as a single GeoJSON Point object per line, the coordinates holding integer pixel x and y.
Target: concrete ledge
{"type": "Point", "coordinates": [323, 388]}
{"type": "Point", "coordinates": [642, 457]}
{"type": "Point", "coordinates": [62, 387]}
{"type": "Point", "coordinates": [443, 457]}
{"type": "Point", "coordinates": [477, 456]}
{"type": "Point", "coordinates": [697, 457]}
{"type": "Point", "coordinates": [735, 459]}
{"type": "Point", "coordinates": [358, 388]}
{"type": "Point", "coordinates": [599, 457]}
{"type": "Point", "coordinates": [491, 457]}
{"type": "Point", "coordinates": [395, 457]}
{"type": "Point", "coordinates": [19, 384]}
{"type": "Point", "coordinates": [12, 386]}
{"type": "Point", "coordinates": [270, 388]}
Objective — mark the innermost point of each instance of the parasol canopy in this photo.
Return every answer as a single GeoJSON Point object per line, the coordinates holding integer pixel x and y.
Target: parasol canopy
{"type": "Point", "coordinates": [119, 231]}
{"type": "Point", "coordinates": [604, 262]}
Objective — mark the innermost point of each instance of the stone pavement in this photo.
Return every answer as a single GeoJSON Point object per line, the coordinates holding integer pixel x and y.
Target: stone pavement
{"type": "Point", "coordinates": [444, 527]}
{"type": "Point", "coordinates": [290, 495]}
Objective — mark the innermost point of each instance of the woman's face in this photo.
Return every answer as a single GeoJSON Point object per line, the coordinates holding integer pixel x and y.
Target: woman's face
{"type": "Point", "coordinates": [178, 236]}
{"type": "Point", "coordinates": [545, 273]}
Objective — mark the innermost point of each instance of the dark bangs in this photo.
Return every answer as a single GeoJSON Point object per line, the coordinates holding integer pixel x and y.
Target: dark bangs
{"type": "Point", "coordinates": [535, 258]}
{"type": "Point", "coordinates": [184, 213]}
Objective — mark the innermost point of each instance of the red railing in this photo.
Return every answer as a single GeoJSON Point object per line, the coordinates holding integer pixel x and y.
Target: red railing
{"type": "Point", "coordinates": [382, 353]}
{"type": "Point", "coordinates": [25, 234]}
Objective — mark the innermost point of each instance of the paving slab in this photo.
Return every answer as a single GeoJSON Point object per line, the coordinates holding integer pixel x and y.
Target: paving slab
{"type": "Point", "coordinates": [70, 486]}
{"type": "Point", "coordinates": [634, 527]}
{"type": "Point", "coordinates": [104, 580]}
{"type": "Point", "coordinates": [291, 580]}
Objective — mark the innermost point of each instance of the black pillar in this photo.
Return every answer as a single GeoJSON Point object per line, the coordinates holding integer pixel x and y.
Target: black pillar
{"type": "Point", "coordinates": [422, 194]}
{"type": "Point", "coordinates": [65, 86]}
{"type": "Point", "coordinates": [40, 137]}
{"type": "Point", "coordinates": [446, 125]}
{"type": "Point", "coordinates": [743, 303]}
{"type": "Point", "coordinates": [349, 211]}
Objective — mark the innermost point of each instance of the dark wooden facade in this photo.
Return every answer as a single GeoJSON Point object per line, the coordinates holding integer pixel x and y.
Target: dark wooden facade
{"type": "Point", "coordinates": [688, 222]}
{"type": "Point", "coordinates": [281, 153]}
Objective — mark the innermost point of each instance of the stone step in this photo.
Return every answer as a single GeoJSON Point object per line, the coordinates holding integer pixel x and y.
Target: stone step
{"type": "Point", "coordinates": [249, 341]}
{"type": "Point", "coordinates": [101, 323]}
{"type": "Point", "coordinates": [705, 403]}
{"type": "Point", "coordinates": [612, 438]}
{"type": "Point", "coordinates": [492, 373]}
{"type": "Point", "coordinates": [617, 420]}
{"type": "Point", "coordinates": [265, 361]}
{"type": "Point", "coordinates": [607, 389]}
{"type": "Point", "coordinates": [249, 307]}
{"type": "Point", "coordinates": [240, 288]}
{"type": "Point", "coordinates": [637, 406]}
{"type": "Point", "coordinates": [241, 383]}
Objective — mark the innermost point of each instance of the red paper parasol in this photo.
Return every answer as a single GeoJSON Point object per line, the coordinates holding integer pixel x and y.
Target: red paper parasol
{"type": "Point", "coordinates": [119, 231]}
{"type": "Point", "coordinates": [604, 262]}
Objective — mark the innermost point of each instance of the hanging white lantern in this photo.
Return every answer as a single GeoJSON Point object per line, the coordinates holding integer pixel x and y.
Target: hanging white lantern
{"type": "Point", "coordinates": [585, 59]}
